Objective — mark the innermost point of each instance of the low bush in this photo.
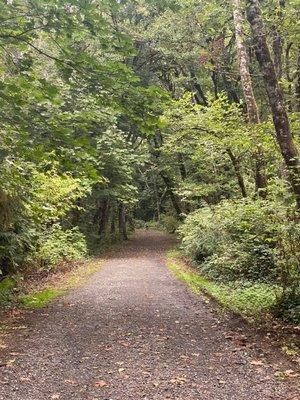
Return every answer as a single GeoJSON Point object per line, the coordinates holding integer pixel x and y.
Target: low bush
{"type": "Point", "coordinates": [7, 286]}
{"type": "Point", "coordinates": [58, 245]}
{"type": "Point", "coordinates": [169, 222]}
{"type": "Point", "coordinates": [254, 241]}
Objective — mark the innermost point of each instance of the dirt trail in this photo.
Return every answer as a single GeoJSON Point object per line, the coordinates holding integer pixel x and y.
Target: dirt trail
{"type": "Point", "coordinates": [134, 332]}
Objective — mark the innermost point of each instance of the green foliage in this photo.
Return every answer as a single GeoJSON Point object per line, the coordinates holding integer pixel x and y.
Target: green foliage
{"type": "Point", "coordinates": [114, 109]}
{"type": "Point", "coordinates": [7, 286]}
{"type": "Point", "coordinates": [54, 195]}
{"type": "Point", "coordinates": [246, 239]}
{"type": "Point", "coordinates": [169, 222]}
{"type": "Point", "coordinates": [56, 245]}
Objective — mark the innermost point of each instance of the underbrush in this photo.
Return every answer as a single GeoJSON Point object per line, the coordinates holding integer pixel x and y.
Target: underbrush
{"type": "Point", "coordinates": [244, 298]}
{"type": "Point", "coordinates": [7, 286]}
{"type": "Point", "coordinates": [34, 292]}
{"type": "Point", "coordinates": [249, 249]}
{"type": "Point", "coordinates": [58, 245]}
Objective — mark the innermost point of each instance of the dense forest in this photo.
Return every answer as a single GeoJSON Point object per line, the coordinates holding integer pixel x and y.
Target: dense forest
{"type": "Point", "coordinates": [184, 113]}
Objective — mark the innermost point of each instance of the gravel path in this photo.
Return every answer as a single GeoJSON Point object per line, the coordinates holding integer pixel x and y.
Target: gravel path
{"type": "Point", "coordinates": [134, 332]}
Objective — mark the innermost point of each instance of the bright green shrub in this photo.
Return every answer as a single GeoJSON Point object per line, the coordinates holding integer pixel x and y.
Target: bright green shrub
{"type": "Point", "coordinates": [250, 240]}
{"type": "Point", "coordinates": [58, 245]}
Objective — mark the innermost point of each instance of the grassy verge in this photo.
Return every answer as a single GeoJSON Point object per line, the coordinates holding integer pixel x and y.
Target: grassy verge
{"type": "Point", "coordinates": [38, 297]}
{"type": "Point", "coordinates": [76, 278]}
{"type": "Point", "coordinates": [251, 301]}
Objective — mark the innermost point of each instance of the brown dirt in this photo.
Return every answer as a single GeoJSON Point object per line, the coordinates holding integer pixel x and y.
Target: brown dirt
{"type": "Point", "coordinates": [134, 332]}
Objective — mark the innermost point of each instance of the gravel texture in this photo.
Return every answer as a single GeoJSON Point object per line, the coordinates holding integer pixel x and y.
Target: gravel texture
{"type": "Point", "coordinates": [134, 332]}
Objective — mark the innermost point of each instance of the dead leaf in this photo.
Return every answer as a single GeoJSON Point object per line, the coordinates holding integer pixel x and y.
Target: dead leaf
{"type": "Point", "coordinates": [9, 363]}
{"type": "Point", "coordinates": [24, 379]}
{"type": "Point", "coordinates": [179, 380]}
{"type": "Point", "coordinates": [256, 362]}
{"type": "Point", "coordinates": [291, 373]}
{"type": "Point", "coordinates": [70, 381]}
{"type": "Point", "coordinates": [100, 384]}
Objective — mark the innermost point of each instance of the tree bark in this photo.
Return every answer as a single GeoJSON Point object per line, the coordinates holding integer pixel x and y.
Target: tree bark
{"type": "Point", "coordinates": [277, 44]}
{"type": "Point", "coordinates": [237, 170]}
{"type": "Point", "coordinates": [252, 109]}
{"type": "Point", "coordinates": [284, 137]}
{"type": "Point", "coordinates": [103, 217]}
{"type": "Point", "coordinates": [181, 166]}
{"type": "Point", "coordinates": [167, 180]}
{"type": "Point", "coordinates": [298, 82]}
{"type": "Point", "coordinates": [122, 222]}
{"type": "Point", "coordinates": [277, 51]}
{"type": "Point", "coordinates": [173, 197]}
{"type": "Point", "coordinates": [200, 93]}
{"type": "Point", "coordinates": [288, 75]}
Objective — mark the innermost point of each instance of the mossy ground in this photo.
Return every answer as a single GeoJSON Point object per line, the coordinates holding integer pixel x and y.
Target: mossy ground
{"type": "Point", "coordinates": [7, 287]}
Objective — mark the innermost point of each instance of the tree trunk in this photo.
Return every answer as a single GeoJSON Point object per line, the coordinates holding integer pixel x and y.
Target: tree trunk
{"type": "Point", "coordinates": [157, 200]}
{"type": "Point", "coordinates": [277, 51]}
{"type": "Point", "coordinates": [181, 166]}
{"type": "Point", "coordinates": [168, 182]}
{"type": "Point", "coordinates": [173, 197]}
{"type": "Point", "coordinates": [277, 39]}
{"type": "Point", "coordinates": [122, 222]}
{"type": "Point", "coordinates": [103, 217]}
{"type": "Point", "coordinates": [288, 75]}
{"type": "Point", "coordinates": [284, 137]}
{"type": "Point", "coordinates": [252, 109]}
{"type": "Point", "coordinates": [298, 82]}
{"type": "Point", "coordinates": [237, 170]}
{"type": "Point", "coordinates": [200, 93]}
{"type": "Point", "coordinates": [214, 78]}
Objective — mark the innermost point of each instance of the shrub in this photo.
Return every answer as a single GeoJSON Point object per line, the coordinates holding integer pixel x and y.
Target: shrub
{"type": "Point", "coordinates": [169, 222]}
{"type": "Point", "coordinates": [250, 240]}
{"type": "Point", "coordinates": [58, 245]}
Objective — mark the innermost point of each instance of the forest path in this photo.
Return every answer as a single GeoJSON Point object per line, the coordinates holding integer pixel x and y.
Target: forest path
{"type": "Point", "coordinates": [134, 332]}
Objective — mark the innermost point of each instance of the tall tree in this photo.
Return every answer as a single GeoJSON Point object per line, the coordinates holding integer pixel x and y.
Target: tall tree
{"type": "Point", "coordinates": [284, 137]}
{"type": "Point", "coordinates": [252, 109]}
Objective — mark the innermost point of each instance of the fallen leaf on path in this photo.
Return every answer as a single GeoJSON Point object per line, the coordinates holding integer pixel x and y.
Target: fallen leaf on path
{"type": "Point", "coordinates": [19, 327]}
{"type": "Point", "coordinates": [178, 381]}
{"type": "Point", "coordinates": [256, 362]}
{"type": "Point", "coordinates": [9, 363]}
{"type": "Point", "coordinates": [70, 381]}
{"type": "Point", "coordinates": [24, 379]}
{"type": "Point", "coordinates": [55, 396]}
{"type": "Point", "coordinates": [100, 383]}
{"type": "Point", "coordinates": [291, 373]}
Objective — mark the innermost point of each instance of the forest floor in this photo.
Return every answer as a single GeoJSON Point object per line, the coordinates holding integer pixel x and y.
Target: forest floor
{"type": "Point", "coordinates": [133, 331]}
